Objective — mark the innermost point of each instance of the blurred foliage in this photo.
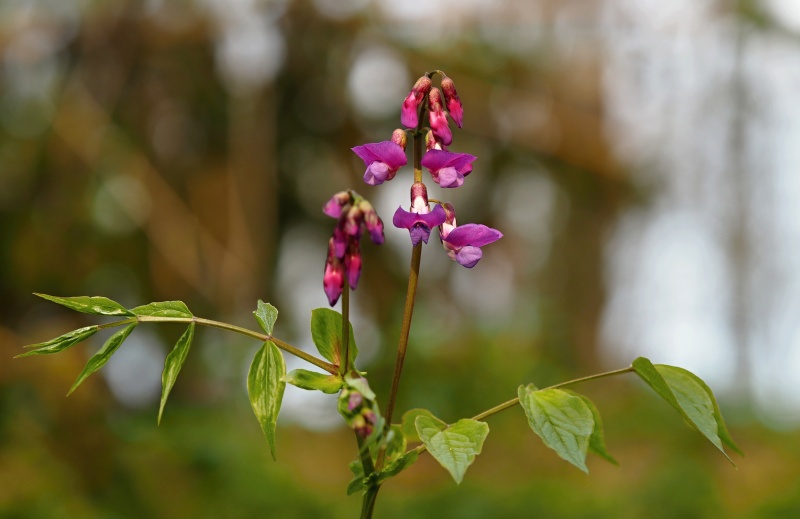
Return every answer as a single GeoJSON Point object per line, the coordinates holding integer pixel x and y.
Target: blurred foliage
{"type": "Point", "coordinates": [139, 161]}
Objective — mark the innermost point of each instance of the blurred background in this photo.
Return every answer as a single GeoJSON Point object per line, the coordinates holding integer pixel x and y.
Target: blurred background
{"type": "Point", "coordinates": [640, 156]}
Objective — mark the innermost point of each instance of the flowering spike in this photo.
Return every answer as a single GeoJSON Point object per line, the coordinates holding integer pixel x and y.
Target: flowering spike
{"type": "Point", "coordinates": [448, 169]}
{"type": "Point", "coordinates": [382, 159]}
{"type": "Point", "coordinates": [453, 101]}
{"type": "Point", "coordinates": [408, 114]}
{"type": "Point", "coordinates": [438, 118]}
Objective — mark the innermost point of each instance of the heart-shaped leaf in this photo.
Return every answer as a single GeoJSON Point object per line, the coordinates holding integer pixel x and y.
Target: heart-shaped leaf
{"type": "Point", "coordinates": [563, 421]}
{"type": "Point", "coordinates": [454, 447]}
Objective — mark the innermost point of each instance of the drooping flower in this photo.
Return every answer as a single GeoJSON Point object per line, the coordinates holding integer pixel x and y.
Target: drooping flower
{"type": "Point", "coordinates": [453, 101]}
{"type": "Point", "coordinates": [409, 116]}
{"type": "Point", "coordinates": [438, 118]}
{"type": "Point", "coordinates": [448, 169]}
{"type": "Point", "coordinates": [333, 279]}
{"type": "Point", "coordinates": [383, 159]}
{"type": "Point", "coordinates": [420, 220]}
{"type": "Point", "coordinates": [354, 214]}
{"type": "Point", "coordinates": [463, 243]}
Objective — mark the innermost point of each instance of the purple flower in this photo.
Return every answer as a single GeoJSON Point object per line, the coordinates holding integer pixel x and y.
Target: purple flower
{"type": "Point", "coordinates": [453, 101]}
{"type": "Point", "coordinates": [438, 118]}
{"type": "Point", "coordinates": [463, 243]}
{"type": "Point", "coordinates": [382, 159]}
{"type": "Point", "coordinates": [408, 113]}
{"type": "Point", "coordinates": [333, 279]}
{"type": "Point", "coordinates": [448, 169]}
{"type": "Point", "coordinates": [421, 219]}
{"type": "Point", "coordinates": [354, 214]}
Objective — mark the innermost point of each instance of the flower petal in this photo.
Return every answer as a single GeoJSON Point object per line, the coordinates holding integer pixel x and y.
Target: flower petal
{"type": "Point", "coordinates": [473, 234]}
{"type": "Point", "coordinates": [469, 256]}
{"type": "Point", "coordinates": [385, 151]}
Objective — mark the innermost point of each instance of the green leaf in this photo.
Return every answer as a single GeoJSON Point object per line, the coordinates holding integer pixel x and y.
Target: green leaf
{"type": "Point", "coordinates": [454, 447]}
{"type": "Point", "coordinates": [100, 358]}
{"type": "Point", "coordinates": [266, 315]}
{"type": "Point", "coordinates": [314, 381]}
{"type": "Point", "coordinates": [164, 309]}
{"type": "Point", "coordinates": [61, 343]}
{"type": "Point", "coordinates": [685, 395]}
{"type": "Point", "coordinates": [173, 365]}
{"type": "Point", "coordinates": [265, 387]}
{"type": "Point", "coordinates": [564, 422]}
{"type": "Point", "coordinates": [393, 442]}
{"type": "Point", "coordinates": [326, 332]}
{"type": "Point", "coordinates": [597, 441]}
{"type": "Point", "coordinates": [409, 426]}
{"type": "Point", "coordinates": [89, 305]}
{"type": "Point", "coordinates": [722, 430]}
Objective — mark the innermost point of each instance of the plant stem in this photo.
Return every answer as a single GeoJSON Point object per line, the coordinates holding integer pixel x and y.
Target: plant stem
{"type": "Point", "coordinates": [514, 401]}
{"type": "Point", "coordinates": [368, 502]}
{"type": "Point", "coordinates": [408, 311]}
{"type": "Point", "coordinates": [344, 355]}
{"type": "Point", "coordinates": [330, 368]}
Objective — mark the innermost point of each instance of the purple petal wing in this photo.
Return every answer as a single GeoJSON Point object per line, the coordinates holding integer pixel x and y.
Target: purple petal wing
{"type": "Point", "coordinates": [385, 151]}
{"type": "Point", "coordinates": [436, 159]}
{"type": "Point", "coordinates": [473, 234]}
{"type": "Point", "coordinates": [469, 256]}
{"type": "Point", "coordinates": [403, 219]}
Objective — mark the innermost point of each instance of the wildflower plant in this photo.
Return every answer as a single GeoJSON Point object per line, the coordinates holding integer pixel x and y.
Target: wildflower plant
{"type": "Point", "coordinates": [567, 422]}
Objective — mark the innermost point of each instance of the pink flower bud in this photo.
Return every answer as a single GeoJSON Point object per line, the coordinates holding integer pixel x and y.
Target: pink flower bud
{"type": "Point", "coordinates": [400, 138]}
{"type": "Point", "coordinates": [333, 279]}
{"type": "Point", "coordinates": [438, 118]}
{"type": "Point", "coordinates": [408, 113]}
{"type": "Point", "coordinates": [453, 101]}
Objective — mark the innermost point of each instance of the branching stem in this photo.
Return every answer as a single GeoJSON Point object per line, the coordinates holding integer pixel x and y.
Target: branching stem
{"type": "Point", "coordinates": [288, 348]}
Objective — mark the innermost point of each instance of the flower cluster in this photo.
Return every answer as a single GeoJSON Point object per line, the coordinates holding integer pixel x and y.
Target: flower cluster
{"type": "Point", "coordinates": [382, 161]}
{"type": "Point", "coordinates": [358, 410]}
{"type": "Point", "coordinates": [447, 169]}
{"type": "Point", "coordinates": [354, 214]}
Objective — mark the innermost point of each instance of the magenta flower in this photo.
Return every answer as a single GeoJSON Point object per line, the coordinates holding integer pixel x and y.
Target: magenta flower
{"type": "Point", "coordinates": [453, 101]}
{"type": "Point", "coordinates": [354, 214]}
{"type": "Point", "coordinates": [448, 169]}
{"type": "Point", "coordinates": [438, 118]}
{"type": "Point", "coordinates": [382, 159]}
{"type": "Point", "coordinates": [463, 243]}
{"type": "Point", "coordinates": [409, 116]}
{"type": "Point", "coordinates": [421, 219]}
{"type": "Point", "coordinates": [333, 279]}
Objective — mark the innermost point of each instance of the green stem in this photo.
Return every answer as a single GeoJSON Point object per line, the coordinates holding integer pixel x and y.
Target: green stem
{"type": "Point", "coordinates": [408, 311]}
{"type": "Point", "coordinates": [330, 368]}
{"type": "Point", "coordinates": [514, 401]}
{"type": "Point", "coordinates": [368, 502]}
{"type": "Point", "coordinates": [345, 353]}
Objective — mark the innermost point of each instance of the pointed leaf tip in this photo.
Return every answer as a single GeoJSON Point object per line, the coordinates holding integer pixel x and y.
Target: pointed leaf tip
{"type": "Point", "coordinates": [172, 366]}
{"type": "Point", "coordinates": [60, 343]}
{"type": "Point", "coordinates": [99, 359]}
{"type": "Point", "coordinates": [454, 447]}
{"type": "Point", "coordinates": [687, 396]}
{"type": "Point", "coordinates": [88, 304]}
{"type": "Point", "coordinates": [266, 315]}
{"type": "Point", "coordinates": [177, 309]}
{"type": "Point", "coordinates": [265, 387]}
{"type": "Point", "coordinates": [564, 422]}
